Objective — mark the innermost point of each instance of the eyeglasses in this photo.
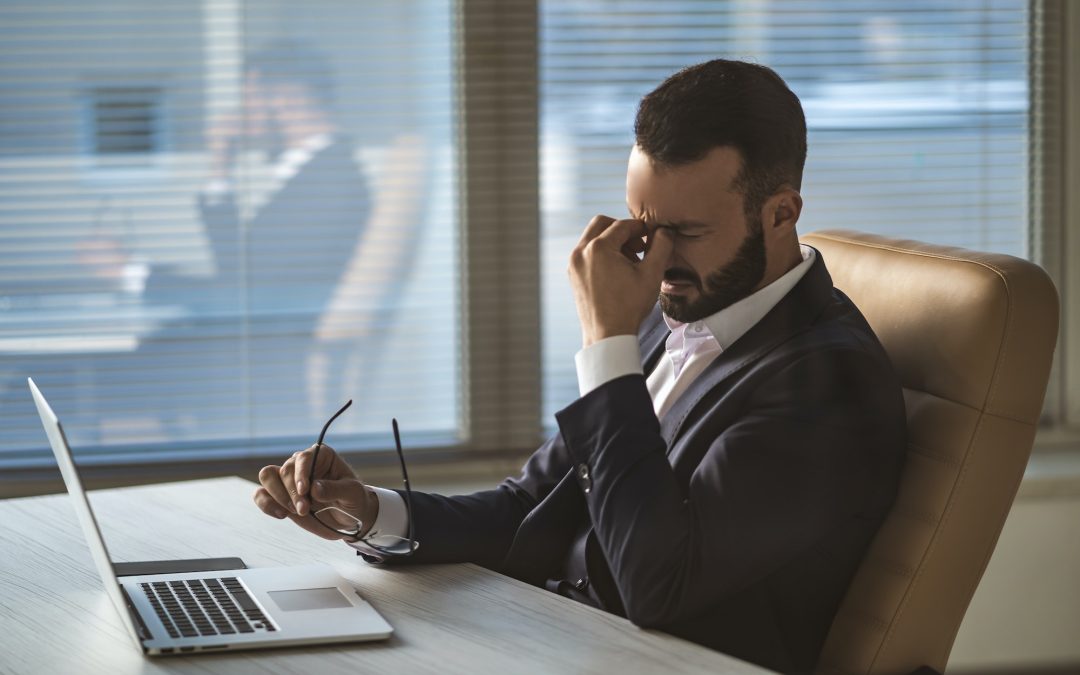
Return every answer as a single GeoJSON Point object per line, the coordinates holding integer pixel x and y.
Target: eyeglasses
{"type": "Point", "coordinates": [403, 546]}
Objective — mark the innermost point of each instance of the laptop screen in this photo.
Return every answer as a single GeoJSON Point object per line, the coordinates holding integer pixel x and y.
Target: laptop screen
{"type": "Point", "coordinates": [98, 551]}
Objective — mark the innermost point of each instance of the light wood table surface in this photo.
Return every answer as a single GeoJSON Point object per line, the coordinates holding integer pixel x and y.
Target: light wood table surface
{"type": "Point", "coordinates": [55, 617]}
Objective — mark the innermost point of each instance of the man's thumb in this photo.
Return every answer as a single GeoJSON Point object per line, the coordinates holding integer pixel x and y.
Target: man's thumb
{"type": "Point", "coordinates": [345, 491]}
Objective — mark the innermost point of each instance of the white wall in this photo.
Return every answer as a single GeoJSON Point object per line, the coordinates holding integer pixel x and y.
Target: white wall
{"type": "Point", "coordinates": [1026, 611]}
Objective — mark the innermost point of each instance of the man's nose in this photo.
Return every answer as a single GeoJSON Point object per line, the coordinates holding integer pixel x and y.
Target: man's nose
{"type": "Point", "coordinates": [674, 259]}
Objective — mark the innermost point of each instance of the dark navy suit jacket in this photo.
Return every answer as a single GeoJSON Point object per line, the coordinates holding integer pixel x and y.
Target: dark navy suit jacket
{"type": "Point", "coordinates": [736, 522]}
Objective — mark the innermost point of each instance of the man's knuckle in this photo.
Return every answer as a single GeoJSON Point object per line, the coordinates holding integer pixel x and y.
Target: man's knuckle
{"type": "Point", "coordinates": [266, 472]}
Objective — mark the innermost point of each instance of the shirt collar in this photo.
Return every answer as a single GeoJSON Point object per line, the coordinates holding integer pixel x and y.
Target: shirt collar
{"type": "Point", "coordinates": [291, 160]}
{"type": "Point", "coordinates": [732, 322]}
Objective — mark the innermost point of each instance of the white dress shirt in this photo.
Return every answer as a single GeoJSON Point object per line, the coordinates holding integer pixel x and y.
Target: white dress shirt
{"type": "Point", "coordinates": [690, 347]}
{"type": "Point", "coordinates": [287, 165]}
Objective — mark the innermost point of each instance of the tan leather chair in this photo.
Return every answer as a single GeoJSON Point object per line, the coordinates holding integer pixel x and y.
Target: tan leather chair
{"type": "Point", "coordinates": [971, 336]}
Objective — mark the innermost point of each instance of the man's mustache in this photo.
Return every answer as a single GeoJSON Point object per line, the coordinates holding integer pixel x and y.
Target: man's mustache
{"type": "Point", "coordinates": [676, 274]}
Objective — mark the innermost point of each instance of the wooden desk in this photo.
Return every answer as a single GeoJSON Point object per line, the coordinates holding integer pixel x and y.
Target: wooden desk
{"type": "Point", "coordinates": [55, 617]}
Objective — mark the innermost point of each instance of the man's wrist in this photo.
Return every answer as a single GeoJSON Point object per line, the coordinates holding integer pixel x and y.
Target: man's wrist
{"type": "Point", "coordinates": [371, 510]}
{"type": "Point", "coordinates": [607, 360]}
{"type": "Point", "coordinates": [598, 333]}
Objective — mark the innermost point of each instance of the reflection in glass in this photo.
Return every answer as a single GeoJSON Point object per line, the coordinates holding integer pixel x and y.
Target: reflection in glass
{"type": "Point", "coordinates": [218, 217]}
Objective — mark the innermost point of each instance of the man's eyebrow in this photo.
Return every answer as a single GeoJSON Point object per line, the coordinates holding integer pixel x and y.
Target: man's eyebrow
{"type": "Point", "coordinates": [673, 224]}
{"type": "Point", "coordinates": [682, 225]}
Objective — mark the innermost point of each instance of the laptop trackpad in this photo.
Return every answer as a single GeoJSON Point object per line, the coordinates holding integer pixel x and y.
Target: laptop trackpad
{"type": "Point", "coordinates": [309, 598]}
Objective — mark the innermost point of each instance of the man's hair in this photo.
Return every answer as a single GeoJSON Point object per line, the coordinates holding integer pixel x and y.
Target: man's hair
{"type": "Point", "coordinates": [293, 62]}
{"type": "Point", "coordinates": [724, 103]}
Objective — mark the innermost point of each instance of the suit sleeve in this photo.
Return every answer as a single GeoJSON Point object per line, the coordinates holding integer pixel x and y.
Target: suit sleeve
{"type": "Point", "coordinates": [797, 462]}
{"type": "Point", "coordinates": [480, 527]}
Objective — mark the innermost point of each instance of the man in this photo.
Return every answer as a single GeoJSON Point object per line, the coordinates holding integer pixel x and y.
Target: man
{"type": "Point", "coordinates": [734, 448]}
{"type": "Point", "coordinates": [319, 202]}
{"type": "Point", "coordinates": [275, 265]}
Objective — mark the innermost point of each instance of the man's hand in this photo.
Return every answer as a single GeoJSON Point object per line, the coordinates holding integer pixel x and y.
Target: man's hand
{"type": "Point", "coordinates": [613, 290]}
{"type": "Point", "coordinates": [223, 137]}
{"type": "Point", "coordinates": [285, 493]}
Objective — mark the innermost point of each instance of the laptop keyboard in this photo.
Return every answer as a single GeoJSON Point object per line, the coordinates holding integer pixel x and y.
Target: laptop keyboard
{"type": "Point", "coordinates": [195, 607]}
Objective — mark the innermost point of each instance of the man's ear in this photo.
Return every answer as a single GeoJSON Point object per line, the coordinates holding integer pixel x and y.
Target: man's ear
{"type": "Point", "coordinates": [781, 212]}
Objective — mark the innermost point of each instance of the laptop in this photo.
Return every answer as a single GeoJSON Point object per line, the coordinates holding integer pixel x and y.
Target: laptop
{"type": "Point", "coordinates": [181, 613]}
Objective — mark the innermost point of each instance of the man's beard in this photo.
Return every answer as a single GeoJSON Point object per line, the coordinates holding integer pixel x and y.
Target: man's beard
{"type": "Point", "coordinates": [723, 287]}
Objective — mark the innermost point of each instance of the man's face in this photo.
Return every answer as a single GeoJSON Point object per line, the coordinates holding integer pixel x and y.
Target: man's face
{"type": "Point", "coordinates": [719, 255]}
{"type": "Point", "coordinates": [257, 110]}
{"type": "Point", "coordinates": [265, 108]}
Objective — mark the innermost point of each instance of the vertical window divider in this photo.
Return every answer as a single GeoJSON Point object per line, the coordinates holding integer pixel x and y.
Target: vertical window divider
{"type": "Point", "coordinates": [498, 102]}
{"type": "Point", "coordinates": [1070, 202]}
{"type": "Point", "coordinates": [1055, 165]}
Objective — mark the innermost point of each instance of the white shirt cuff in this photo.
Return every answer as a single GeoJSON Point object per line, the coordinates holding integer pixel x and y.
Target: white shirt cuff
{"type": "Point", "coordinates": [607, 359]}
{"type": "Point", "coordinates": [391, 525]}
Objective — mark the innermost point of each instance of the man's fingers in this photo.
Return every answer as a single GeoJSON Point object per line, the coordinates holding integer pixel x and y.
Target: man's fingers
{"type": "Point", "coordinates": [268, 505]}
{"type": "Point", "coordinates": [347, 492]}
{"type": "Point", "coordinates": [620, 231]}
{"type": "Point", "coordinates": [288, 479]}
{"type": "Point", "coordinates": [277, 496]}
{"type": "Point", "coordinates": [302, 469]}
{"type": "Point", "coordinates": [632, 247]}
{"type": "Point", "coordinates": [270, 479]}
{"type": "Point", "coordinates": [595, 227]}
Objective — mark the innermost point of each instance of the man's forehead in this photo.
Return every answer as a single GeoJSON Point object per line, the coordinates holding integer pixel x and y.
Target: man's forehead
{"type": "Point", "coordinates": [682, 194]}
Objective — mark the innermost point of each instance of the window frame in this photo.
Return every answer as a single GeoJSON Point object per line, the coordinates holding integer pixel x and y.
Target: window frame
{"type": "Point", "coordinates": [1055, 165]}
{"type": "Point", "coordinates": [1069, 285]}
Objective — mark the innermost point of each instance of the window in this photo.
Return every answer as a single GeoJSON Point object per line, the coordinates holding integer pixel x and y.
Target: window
{"type": "Point", "coordinates": [302, 214]}
{"type": "Point", "coordinates": [126, 120]}
{"type": "Point", "coordinates": [917, 116]}
{"type": "Point", "coordinates": [184, 282]}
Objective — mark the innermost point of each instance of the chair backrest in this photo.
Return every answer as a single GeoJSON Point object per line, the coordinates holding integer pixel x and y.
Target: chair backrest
{"type": "Point", "coordinates": [971, 336]}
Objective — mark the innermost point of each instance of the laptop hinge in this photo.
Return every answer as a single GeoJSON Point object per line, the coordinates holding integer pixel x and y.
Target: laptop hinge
{"type": "Point", "coordinates": [144, 632]}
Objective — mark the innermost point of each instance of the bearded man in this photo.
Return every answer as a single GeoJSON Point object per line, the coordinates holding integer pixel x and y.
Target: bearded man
{"type": "Point", "coordinates": [735, 446]}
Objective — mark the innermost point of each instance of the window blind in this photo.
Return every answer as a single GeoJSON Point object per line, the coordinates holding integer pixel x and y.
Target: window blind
{"type": "Point", "coordinates": [220, 219]}
{"type": "Point", "coordinates": [917, 115]}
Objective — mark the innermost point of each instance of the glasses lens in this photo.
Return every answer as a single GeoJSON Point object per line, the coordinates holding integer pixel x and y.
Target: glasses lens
{"type": "Point", "coordinates": [327, 519]}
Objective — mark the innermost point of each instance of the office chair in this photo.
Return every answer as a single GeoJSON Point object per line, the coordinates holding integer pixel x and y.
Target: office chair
{"type": "Point", "coordinates": [971, 336]}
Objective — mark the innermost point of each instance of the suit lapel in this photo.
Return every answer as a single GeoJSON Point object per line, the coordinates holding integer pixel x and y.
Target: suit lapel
{"type": "Point", "coordinates": [794, 313]}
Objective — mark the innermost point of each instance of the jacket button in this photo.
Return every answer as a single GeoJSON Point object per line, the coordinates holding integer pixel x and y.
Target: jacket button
{"type": "Point", "coordinates": [582, 583]}
{"type": "Point", "coordinates": [584, 477]}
